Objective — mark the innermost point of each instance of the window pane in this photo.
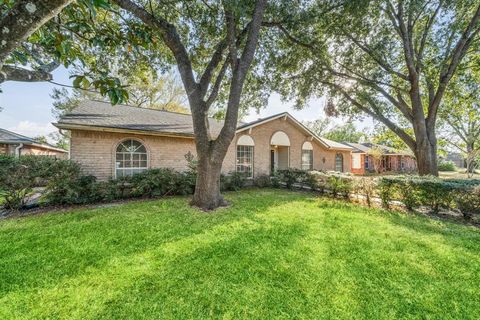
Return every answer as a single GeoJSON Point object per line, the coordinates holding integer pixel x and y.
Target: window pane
{"type": "Point", "coordinates": [245, 160]}
{"type": "Point", "coordinates": [131, 158]}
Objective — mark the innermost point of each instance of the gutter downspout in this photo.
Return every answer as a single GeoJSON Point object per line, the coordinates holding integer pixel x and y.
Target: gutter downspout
{"type": "Point", "coordinates": [17, 150]}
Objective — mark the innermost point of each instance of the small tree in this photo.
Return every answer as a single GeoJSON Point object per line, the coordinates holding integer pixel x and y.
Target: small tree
{"type": "Point", "coordinates": [377, 155]}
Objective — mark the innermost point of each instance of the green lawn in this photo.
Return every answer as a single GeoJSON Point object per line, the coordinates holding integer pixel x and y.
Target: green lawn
{"type": "Point", "coordinates": [272, 254]}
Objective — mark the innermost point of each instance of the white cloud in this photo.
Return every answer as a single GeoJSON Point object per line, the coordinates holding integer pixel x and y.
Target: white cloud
{"type": "Point", "coordinates": [33, 129]}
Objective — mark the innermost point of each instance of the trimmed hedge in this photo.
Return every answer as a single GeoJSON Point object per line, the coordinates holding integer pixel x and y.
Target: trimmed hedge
{"type": "Point", "coordinates": [65, 183]}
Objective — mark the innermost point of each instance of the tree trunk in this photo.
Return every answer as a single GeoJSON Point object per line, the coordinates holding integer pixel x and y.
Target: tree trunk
{"type": "Point", "coordinates": [207, 188]}
{"type": "Point", "coordinates": [426, 154]}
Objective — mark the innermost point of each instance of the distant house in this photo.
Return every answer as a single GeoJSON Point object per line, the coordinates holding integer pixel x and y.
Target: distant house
{"type": "Point", "coordinates": [369, 158]}
{"type": "Point", "coordinates": [12, 143]}
{"type": "Point", "coordinates": [114, 141]}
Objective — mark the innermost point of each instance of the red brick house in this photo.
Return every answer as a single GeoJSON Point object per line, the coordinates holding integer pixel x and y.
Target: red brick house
{"type": "Point", "coordinates": [374, 158]}
{"type": "Point", "coordinates": [113, 141]}
{"type": "Point", "coordinates": [12, 143]}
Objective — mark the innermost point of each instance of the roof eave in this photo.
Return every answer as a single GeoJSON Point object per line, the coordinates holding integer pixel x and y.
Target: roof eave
{"type": "Point", "coordinates": [67, 126]}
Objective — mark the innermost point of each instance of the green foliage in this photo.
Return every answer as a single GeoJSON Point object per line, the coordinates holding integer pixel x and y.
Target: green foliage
{"type": "Point", "coordinates": [67, 185]}
{"type": "Point", "coordinates": [234, 181]}
{"type": "Point", "coordinates": [446, 166]}
{"type": "Point", "coordinates": [467, 200]}
{"type": "Point", "coordinates": [386, 190]}
{"type": "Point", "coordinates": [262, 181]}
{"type": "Point", "coordinates": [18, 177]}
{"type": "Point", "coordinates": [290, 176]}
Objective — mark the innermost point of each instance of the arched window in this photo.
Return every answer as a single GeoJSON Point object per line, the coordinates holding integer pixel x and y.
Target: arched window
{"type": "Point", "coordinates": [244, 160]}
{"type": "Point", "coordinates": [339, 162]}
{"type": "Point", "coordinates": [130, 158]}
{"type": "Point", "coordinates": [307, 156]}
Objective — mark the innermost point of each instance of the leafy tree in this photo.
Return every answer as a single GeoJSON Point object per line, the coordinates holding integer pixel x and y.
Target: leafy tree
{"type": "Point", "coordinates": [40, 139]}
{"type": "Point", "coordinates": [38, 36]}
{"type": "Point", "coordinates": [345, 132]}
{"type": "Point", "coordinates": [19, 20]}
{"type": "Point", "coordinates": [390, 59]}
{"type": "Point", "coordinates": [211, 43]}
{"type": "Point", "coordinates": [460, 117]}
{"type": "Point", "coordinates": [146, 91]}
{"type": "Point", "coordinates": [383, 136]}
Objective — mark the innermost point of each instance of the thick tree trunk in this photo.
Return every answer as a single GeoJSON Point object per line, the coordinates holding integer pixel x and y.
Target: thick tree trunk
{"type": "Point", "coordinates": [426, 154]}
{"type": "Point", "coordinates": [207, 189]}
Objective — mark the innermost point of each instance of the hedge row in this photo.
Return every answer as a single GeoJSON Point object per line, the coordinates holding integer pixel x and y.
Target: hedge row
{"type": "Point", "coordinates": [412, 191]}
{"type": "Point", "coordinates": [65, 183]}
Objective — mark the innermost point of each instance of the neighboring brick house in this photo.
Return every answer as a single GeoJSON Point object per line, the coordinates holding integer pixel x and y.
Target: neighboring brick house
{"type": "Point", "coordinates": [12, 143]}
{"type": "Point", "coordinates": [111, 141]}
{"type": "Point", "coordinates": [392, 160]}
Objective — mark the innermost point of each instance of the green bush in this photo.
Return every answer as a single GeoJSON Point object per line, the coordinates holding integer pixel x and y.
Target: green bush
{"type": "Point", "coordinates": [467, 199]}
{"type": "Point", "coordinates": [68, 185]}
{"type": "Point", "coordinates": [339, 185]}
{"type": "Point", "coordinates": [310, 180]}
{"type": "Point", "coordinates": [408, 192]}
{"type": "Point", "coordinates": [18, 177]}
{"type": "Point", "coordinates": [154, 183]}
{"type": "Point", "coordinates": [434, 192]}
{"type": "Point", "coordinates": [234, 181]}
{"type": "Point", "coordinates": [290, 176]}
{"type": "Point", "coordinates": [446, 166]}
{"type": "Point", "coordinates": [262, 181]}
{"type": "Point", "coordinates": [385, 189]}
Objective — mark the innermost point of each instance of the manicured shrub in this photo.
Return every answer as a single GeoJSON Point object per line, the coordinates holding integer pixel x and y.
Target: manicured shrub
{"type": "Point", "coordinates": [310, 180]}
{"type": "Point", "coordinates": [290, 177]}
{"type": "Point", "coordinates": [234, 181]}
{"type": "Point", "coordinates": [434, 192]}
{"type": "Point", "coordinates": [408, 192]}
{"type": "Point", "coordinates": [18, 177]}
{"type": "Point", "coordinates": [446, 166]}
{"type": "Point", "coordinates": [339, 185]}
{"type": "Point", "coordinates": [67, 185]}
{"type": "Point", "coordinates": [385, 189]}
{"type": "Point", "coordinates": [262, 181]}
{"type": "Point", "coordinates": [275, 180]}
{"type": "Point", "coordinates": [154, 183]}
{"type": "Point", "coordinates": [467, 200]}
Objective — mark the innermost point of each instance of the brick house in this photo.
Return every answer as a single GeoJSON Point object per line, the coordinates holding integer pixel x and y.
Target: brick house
{"type": "Point", "coordinates": [12, 143]}
{"type": "Point", "coordinates": [112, 141]}
{"type": "Point", "coordinates": [391, 160]}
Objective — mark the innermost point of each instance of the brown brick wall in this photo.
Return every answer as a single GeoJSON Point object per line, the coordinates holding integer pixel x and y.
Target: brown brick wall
{"type": "Point", "coordinates": [95, 150]}
{"type": "Point", "coordinates": [323, 159]}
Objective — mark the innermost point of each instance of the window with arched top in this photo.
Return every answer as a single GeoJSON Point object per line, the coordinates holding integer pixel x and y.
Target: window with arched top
{"type": "Point", "coordinates": [339, 162]}
{"type": "Point", "coordinates": [244, 161]}
{"type": "Point", "coordinates": [130, 158]}
{"type": "Point", "coordinates": [307, 156]}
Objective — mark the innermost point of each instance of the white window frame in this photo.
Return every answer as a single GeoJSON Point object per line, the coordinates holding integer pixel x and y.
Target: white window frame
{"type": "Point", "coordinates": [134, 170]}
{"type": "Point", "coordinates": [251, 165]}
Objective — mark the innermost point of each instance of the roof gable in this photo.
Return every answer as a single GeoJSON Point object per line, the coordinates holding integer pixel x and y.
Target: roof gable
{"type": "Point", "coordinates": [329, 144]}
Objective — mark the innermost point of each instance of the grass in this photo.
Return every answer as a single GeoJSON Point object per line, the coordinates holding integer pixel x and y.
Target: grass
{"type": "Point", "coordinates": [272, 254]}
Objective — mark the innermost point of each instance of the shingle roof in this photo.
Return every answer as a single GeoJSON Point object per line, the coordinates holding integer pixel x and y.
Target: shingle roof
{"type": "Point", "coordinates": [366, 147]}
{"type": "Point", "coordinates": [10, 137]}
{"type": "Point", "coordinates": [104, 115]}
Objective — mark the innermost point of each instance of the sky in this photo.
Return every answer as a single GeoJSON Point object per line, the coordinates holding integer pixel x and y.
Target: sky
{"type": "Point", "coordinates": [27, 107]}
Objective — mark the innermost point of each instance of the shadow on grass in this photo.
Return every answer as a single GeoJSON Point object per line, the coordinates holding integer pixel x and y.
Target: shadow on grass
{"type": "Point", "coordinates": [40, 251]}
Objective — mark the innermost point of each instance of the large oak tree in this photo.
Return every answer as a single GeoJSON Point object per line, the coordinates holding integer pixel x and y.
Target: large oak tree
{"type": "Point", "coordinates": [213, 44]}
{"type": "Point", "coordinates": [392, 60]}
